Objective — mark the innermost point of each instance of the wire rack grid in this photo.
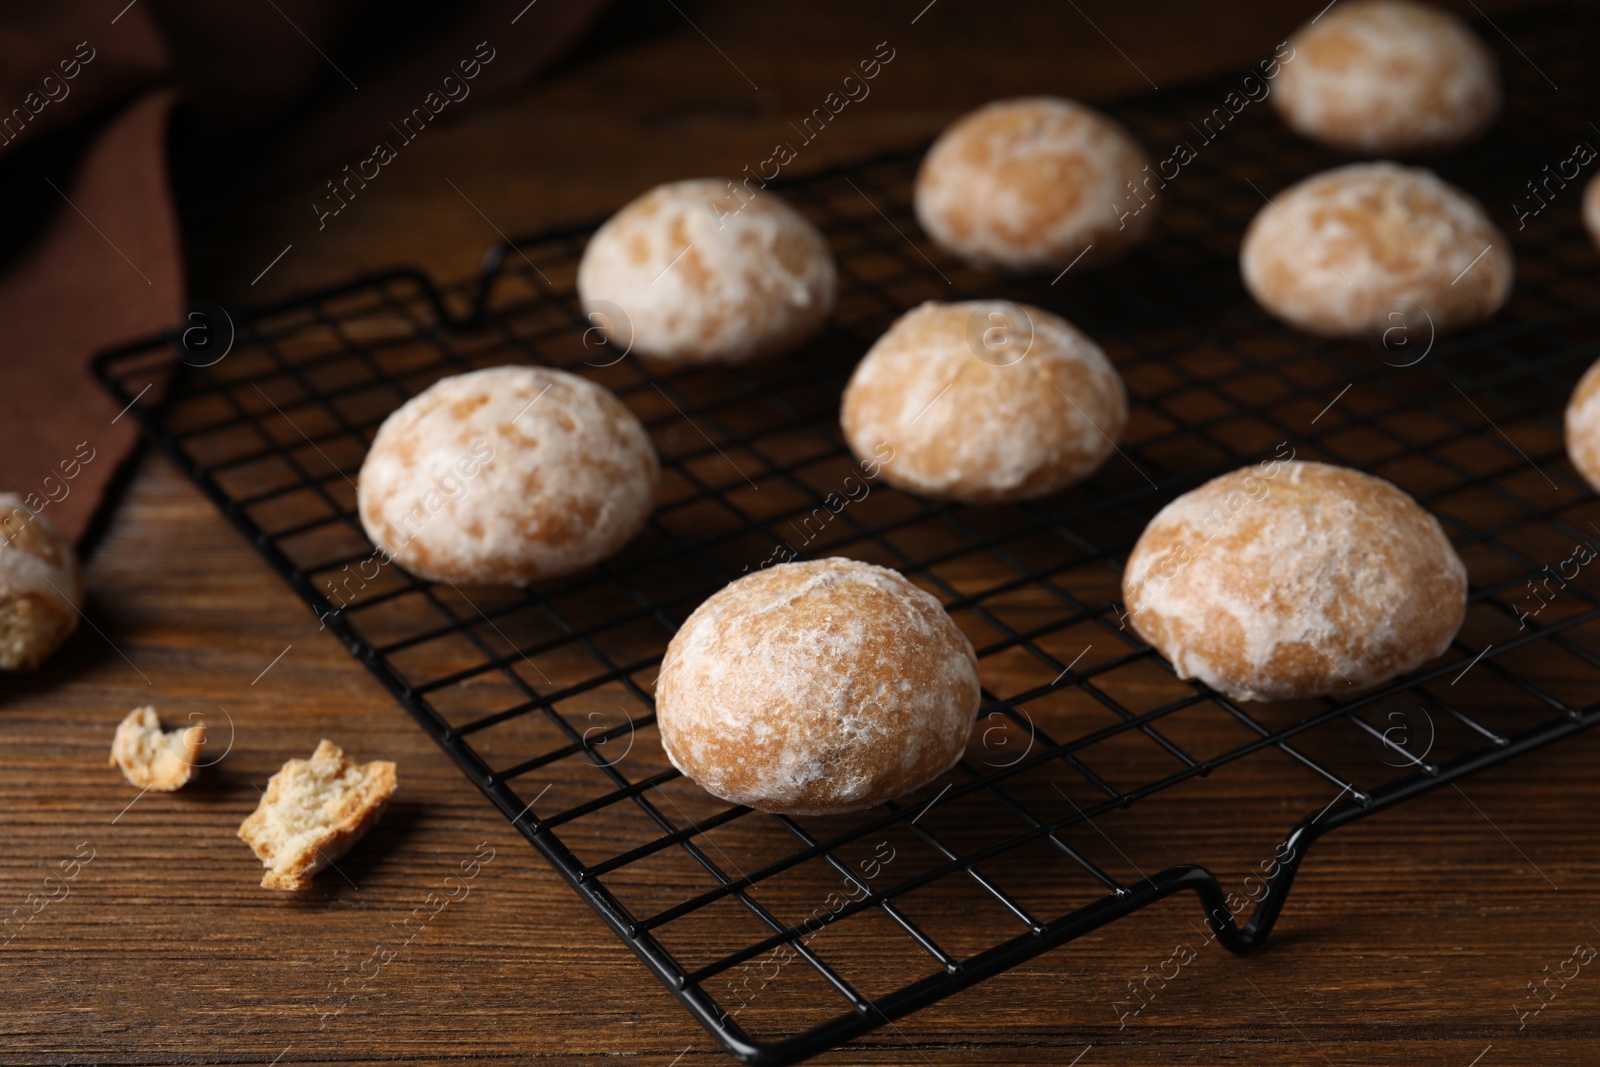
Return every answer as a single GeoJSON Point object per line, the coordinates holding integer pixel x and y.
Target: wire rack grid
{"type": "Point", "coordinates": [787, 936]}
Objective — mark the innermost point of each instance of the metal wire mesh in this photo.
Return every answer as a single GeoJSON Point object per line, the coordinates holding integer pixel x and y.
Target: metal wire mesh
{"type": "Point", "coordinates": [786, 936]}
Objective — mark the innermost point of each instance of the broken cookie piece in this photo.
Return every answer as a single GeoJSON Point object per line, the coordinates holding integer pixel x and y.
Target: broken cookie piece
{"type": "Point", "coordinates": [313, 812]}
{"type": "Point", "coordinates": [151, 758]}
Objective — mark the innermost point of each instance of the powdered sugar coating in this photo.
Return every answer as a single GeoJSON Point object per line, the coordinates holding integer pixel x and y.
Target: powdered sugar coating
{"type": "Point", "coordinates": [41, 586]}
{"type": "Point", "coordinates": [1295, 579]}
{"type": "Point", "coordinates": [1340, 252]}
{"type": "Point", "coordinates": [506, 476]}
{"type": "Point", "coordinates": [1583, 427]}
{"type": "Point", "coordinates": [36, 558]}
{"type": "Point", "coordinates": [984, 428]}
{"type": "Point", "coordinates": [817, 688]}
{"type": "Point", "coordinates": [709, 272]}
{"type": "Point", "coordinates": [1388, 76]}
{"type": "Point", "coordinates": [1029, 184]}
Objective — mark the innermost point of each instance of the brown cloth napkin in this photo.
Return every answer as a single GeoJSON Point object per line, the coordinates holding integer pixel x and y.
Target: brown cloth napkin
{"type": "Point", "coordinates": [90, 247]}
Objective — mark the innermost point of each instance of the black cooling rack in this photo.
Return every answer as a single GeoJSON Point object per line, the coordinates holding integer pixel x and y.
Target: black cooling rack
{"type": "Point", "coordinates": [784, 936]}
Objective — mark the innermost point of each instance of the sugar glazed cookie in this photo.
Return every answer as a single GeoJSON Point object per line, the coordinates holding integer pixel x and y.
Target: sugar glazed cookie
{"type": "Point", "coordinates": [706, 271]}
{"type": "Point", "coordinates": [1388, 77]}
{"type": "Point", "coordinates": [1344, 252]}
{"type": "Point", "coordinates": [41, 586]}
{"type": "Point", "coordinates": [1591, 209]}
{"type": "Point", "coordinates": [1032, 183]}
{"type": "Point", "coordinates": [1293, 579]}
{"type": "Point", "coordinates": [507, 476]}
{"type": "Point", "coordinates": [816, 688]}
{"type": "Point", "coordinates": [1583, 427]}
{"type": "Point", "coordinates": [984, 401]}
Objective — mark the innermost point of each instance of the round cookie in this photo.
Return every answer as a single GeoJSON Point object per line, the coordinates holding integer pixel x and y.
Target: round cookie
{"type": "Point", "coordinates": [1294, 579]}
{"type": "Point", "coordinates": [1387, 77]}
{"type": "Point", "coordinates": [1583, 427]}
{"type": "Point", "coordinates": [1359, 249]}
{"type": "Point", "coordinates": [706, 271]}
{"type": "Point", "coordinates": [41, 586]}
{"type": "Point", "coordinates": [506, 476]}
{"type": "Point", "coordinates": [817, 688]}
{"type": "Point", "coordinates": [984, 402]}
{"type": "Point", "coordinates": [1591, 209]}
{"type": "Point", "coordinates": [1030, 184]}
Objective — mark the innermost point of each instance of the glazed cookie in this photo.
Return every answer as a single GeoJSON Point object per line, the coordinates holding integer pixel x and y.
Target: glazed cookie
{"type": "Point", "coordinates": [506, 476]}
{"type": "Point", "coordinates": [1387, 77]}
{"type": "Point", "coordinates": [1342, 252]}
{"type": "Point", "coordinates": [984, 401]}
{"type": "Point", "coordinates": [706, 271]}
{"type": "Point", "coordinates": [1583, 427]}
{"type": "Point", "coordinates": [1295, 579]}
{"type": "Point", "coordinates": [817, 688]}
{"type": "Point", "coordinates": [1034, 183]}
{"type": "Point", "coordinates": [41, 586]}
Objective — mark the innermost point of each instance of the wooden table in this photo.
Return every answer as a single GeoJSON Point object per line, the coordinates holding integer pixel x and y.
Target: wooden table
{"type": "Point", "coordinates": [1410, 938]}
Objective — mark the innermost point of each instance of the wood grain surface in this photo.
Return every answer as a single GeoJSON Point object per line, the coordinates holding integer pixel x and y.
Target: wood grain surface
{"type": "Point", "coordinates": [143, 937]}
